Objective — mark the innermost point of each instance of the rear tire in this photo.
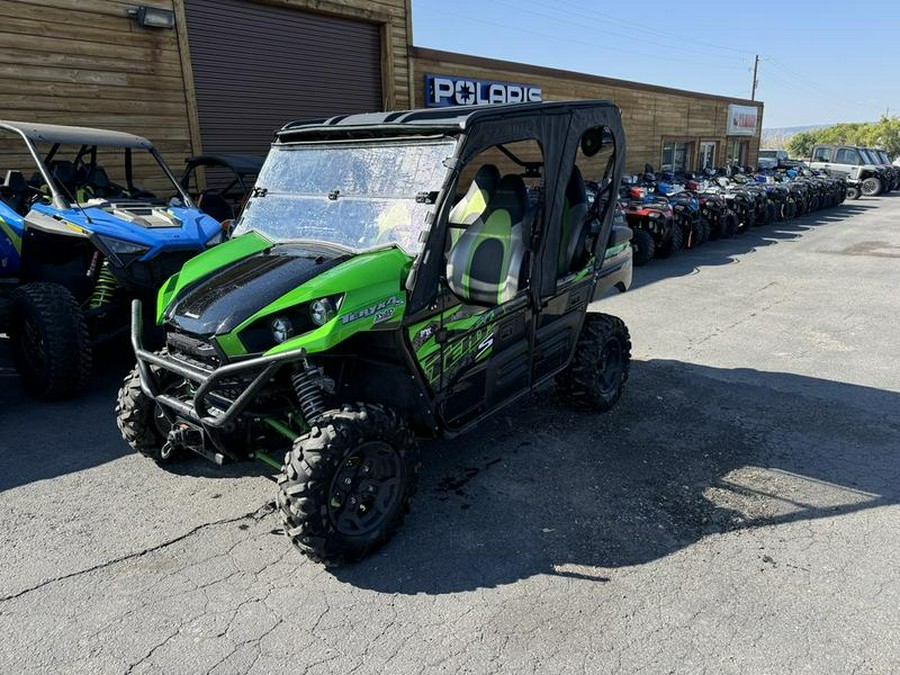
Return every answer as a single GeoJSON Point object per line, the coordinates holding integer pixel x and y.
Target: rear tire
{"type": "Point", "coordinates": [50, 342]}
{"type": "Point", "coordinates": [595, 378]}
{"type": "Point", "coordinates": [643, 247]}
{"type": "Point", "coordinates": [346, 486]}
{"type": "Point", "coordinates": [853, 192]}
{"type": "Point", "coordinates": [871, 187]}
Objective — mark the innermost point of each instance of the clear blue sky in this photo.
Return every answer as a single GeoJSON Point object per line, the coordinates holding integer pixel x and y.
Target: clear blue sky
{"type": "Point", "coordinates": [822, 61]}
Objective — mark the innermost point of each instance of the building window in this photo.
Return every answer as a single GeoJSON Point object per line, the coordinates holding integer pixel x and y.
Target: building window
{"type": "Point", "coordinates": [737, 153]}
{"type": "Point", "coordinates": [676, 156]}
{"type": "Point", "coordinates": [707, 155]}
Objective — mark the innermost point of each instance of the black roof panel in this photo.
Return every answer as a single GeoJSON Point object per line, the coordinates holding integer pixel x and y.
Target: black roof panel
{"type": "Point", "coordinates": [425, 120]}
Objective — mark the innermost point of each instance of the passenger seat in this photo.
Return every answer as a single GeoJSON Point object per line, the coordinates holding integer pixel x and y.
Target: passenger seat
{"type": "Point", "coordinates": [484, 267]}
{"type": "Point", "coordinates": [14, 192]}
{"type": "Point", "coordinates": [571, 236]}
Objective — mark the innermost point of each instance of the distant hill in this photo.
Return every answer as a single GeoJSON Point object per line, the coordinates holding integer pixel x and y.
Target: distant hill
{"type": "Point", "coordinates": [791, 131]}
{"type": "Point", "coordinates": [777, 137]}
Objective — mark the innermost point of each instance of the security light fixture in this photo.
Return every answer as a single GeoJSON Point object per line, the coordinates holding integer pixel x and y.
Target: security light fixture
{"type": "Point", "coordinates": [153, 17]}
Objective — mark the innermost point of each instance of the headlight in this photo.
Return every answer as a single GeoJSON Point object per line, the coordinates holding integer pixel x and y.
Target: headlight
{"type": "Point", "coordinates": [282, 329]}
{"type": "Point", "coordinates": [123, 251]}
{"type": "Point", "coordinates": [322, 311]}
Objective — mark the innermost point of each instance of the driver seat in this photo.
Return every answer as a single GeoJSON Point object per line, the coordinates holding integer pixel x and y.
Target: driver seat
{"type": "Point", "coordinates": [484, 267]}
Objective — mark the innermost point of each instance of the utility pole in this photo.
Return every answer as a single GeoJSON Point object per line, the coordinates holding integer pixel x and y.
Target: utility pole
{"type": "Point", "coordinates": [755, 69]}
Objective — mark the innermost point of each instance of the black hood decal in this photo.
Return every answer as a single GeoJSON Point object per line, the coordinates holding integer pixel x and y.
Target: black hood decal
{"type": "Point", "coordinates": [230, 295]}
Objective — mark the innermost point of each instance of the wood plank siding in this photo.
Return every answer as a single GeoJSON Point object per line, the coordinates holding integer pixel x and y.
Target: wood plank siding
{"type": "Point", "coordinates": [651, 114]}
{"type": "Point", "coordinates": [86, 62]}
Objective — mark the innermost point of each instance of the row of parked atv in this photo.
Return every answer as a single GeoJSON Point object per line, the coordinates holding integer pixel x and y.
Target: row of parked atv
{"type": "Point", "coordinates": [669, 213]}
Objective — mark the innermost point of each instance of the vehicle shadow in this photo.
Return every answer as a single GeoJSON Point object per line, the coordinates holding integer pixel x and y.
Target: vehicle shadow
{"type": "Point", "coordinates": [691, 451]}
{"type": "Point", "coordinates": [724, 251]}
{"type": "Point", "coordinates": [43, 440]}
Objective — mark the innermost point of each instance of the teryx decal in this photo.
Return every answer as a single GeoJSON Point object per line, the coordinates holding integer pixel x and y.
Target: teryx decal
{"type": "Point", "coordinates": [380, 310]}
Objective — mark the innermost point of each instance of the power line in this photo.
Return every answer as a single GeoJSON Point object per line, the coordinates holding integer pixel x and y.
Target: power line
{"type": "Point", "coordinates": [643, 30]}
{"type": "Point", "coordinates": [568, 40]}
{"type": "Point", "coordinates": [666, 41]}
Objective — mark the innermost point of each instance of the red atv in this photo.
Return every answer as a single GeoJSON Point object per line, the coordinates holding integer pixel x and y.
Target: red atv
{"type": "Point", "coordinates": [653, 221]}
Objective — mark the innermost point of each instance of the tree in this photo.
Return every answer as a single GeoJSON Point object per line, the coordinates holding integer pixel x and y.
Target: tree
{"type": "Point", "coordinates": [885, 133]}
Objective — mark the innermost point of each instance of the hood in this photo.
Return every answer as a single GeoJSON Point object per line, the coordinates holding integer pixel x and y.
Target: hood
{"type": "Point", "coordinates": [218, 301]}
{"type": "Point", "coordinates": [156, 227]}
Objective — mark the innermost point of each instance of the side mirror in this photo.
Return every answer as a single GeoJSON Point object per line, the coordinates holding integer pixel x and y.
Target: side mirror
{"type": "Point", "coordinates": [592, 141]}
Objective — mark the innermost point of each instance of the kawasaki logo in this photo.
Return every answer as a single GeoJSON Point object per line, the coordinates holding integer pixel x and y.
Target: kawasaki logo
{"type": "Point", "coordinates": [442, 91]}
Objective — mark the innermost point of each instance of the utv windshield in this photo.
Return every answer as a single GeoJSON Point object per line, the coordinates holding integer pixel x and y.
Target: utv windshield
{"type": "Point", "coordinates": [357, 195]}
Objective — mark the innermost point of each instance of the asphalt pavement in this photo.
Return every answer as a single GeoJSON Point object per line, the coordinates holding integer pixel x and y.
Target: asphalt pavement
{"type": "Point", "coordinates": [737, 513]}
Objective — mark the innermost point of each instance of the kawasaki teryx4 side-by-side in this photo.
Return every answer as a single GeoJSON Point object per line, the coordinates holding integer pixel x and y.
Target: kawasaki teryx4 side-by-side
{"type": "Point", "coordinates": [393, 276]}
{"type": "Point", "coordinates": [79, 239]}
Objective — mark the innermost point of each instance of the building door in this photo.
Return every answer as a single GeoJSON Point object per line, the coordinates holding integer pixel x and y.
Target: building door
{"type": "Point", "coordinates": [707, 155]}
{"type": "Point", "coordinates": [257, 67]}
{"type": "Point", "coordinates": [737, 152]}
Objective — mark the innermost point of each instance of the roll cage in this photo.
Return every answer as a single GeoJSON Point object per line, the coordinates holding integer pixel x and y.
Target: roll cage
{"type": "Point", "coordinates": [88, 140]}
{"type": "Point", "coordinates": [557, 126]}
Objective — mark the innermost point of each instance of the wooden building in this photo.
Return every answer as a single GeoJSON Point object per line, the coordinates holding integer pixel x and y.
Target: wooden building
{"type": "Point", "coordinates": [225, 73]}
{"type": "Point", "coordinates": [222, 78]}
{"type": "Point", "coordinates": [664, 126]}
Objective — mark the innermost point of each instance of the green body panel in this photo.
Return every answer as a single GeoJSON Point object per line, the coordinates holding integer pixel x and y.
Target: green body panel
{"type": "Point", "coordinates": [208, 262]}
{"type": "Point", "coordinates": [435, 361]}
{"type": "Point", "coordinates": [14, 238]}
{"type": "Point", "coordinates": [372, 298]}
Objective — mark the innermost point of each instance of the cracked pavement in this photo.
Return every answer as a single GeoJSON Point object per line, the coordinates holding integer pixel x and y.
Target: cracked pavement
{"type": "Point", "coordinates": [737, 513]}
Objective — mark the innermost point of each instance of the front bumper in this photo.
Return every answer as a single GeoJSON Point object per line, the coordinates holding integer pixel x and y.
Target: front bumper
{"type": "Point", "coordinates": [206, 407]}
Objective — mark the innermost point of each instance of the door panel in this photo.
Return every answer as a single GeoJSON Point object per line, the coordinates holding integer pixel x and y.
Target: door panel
{"type": "Point", "coordinates": [558, 325]}
{"type": "Point", "coordinates": [485, 361]}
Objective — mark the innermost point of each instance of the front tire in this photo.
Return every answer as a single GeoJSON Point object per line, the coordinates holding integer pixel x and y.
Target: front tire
{"type": "Point", "coordinates": [853, 192]}
{"type": "Point", "coordinates": [346, 486]}
{"type": "Point", "coordinates": [595, 378]}
{"type": "Point", "coordinates": [50, 342]}
{"type": "Point", "coordinates": [141, 422]}
{"type": "Point", "coordinates": [871, 187]}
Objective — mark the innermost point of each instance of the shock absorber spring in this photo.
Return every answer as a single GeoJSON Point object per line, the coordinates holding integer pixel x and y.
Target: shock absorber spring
{"type": "Point", "coordinates": [104, 288]}
{"type": "Point", "coordinates": [309, 394]}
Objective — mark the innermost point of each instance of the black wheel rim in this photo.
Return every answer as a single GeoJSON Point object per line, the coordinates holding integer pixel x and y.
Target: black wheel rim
{"type": "Point", "coordinates": [611, 363]}
{"type": "Point", "coordinates": [31, 346]}
{"type": "Point", "coordinates": [366, 489]}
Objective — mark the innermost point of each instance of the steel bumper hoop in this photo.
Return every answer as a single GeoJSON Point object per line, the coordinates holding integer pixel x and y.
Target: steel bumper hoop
{"type": "Point", "coordinates": [265, 368]}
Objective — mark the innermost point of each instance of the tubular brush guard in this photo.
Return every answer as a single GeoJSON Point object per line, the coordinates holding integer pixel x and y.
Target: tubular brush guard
{"type": "Point", "coordinates": [197, 410]}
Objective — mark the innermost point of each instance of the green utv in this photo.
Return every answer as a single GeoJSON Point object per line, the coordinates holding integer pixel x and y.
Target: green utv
{"type": "Point", "coordinates": [393, 276]}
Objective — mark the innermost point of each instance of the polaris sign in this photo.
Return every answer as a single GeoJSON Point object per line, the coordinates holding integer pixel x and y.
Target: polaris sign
{"type": "Point", "coordinates": [442, 91]}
